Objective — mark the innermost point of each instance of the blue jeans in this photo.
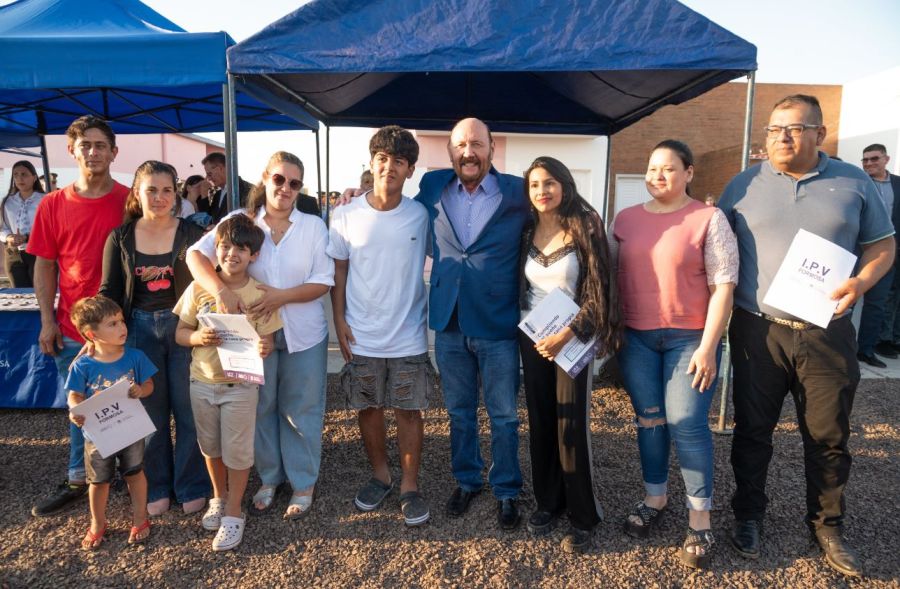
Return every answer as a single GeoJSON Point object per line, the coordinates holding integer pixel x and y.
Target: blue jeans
{"type": "Point", "coordinates": [890, 327]}
{"type": "Point", "coordinates": [76, 439]}
{"type": "Point", "coordinates": [874, 312]}
{"type": "Point", "coordinates": [181, 473]}
{"type": "Point", "coordinates": [654, 367]}
{"type": "Point", "coordinates": [289, 416]}
{"type": "Point", "coordinates": [461, 360]}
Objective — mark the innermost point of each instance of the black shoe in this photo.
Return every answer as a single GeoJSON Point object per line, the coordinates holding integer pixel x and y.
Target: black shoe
{"type": "Point", "coordinates": [838, 554]}
{"type": "Point", "coordinates": [871, 360]}
{"type": "Point", "coordinates": [745, 537]}
{"type": "Point", "coordinates": [459, 501]}
{"type": "Point", "coordinates": [541, 522]}
{"type": "Point", "coordinates": [508, 514]}
{"type": "Point", "coordinates": [64, 496]}
{"type": "Point", "coordinates": [577, 540]}
{"type": "Point", "coordinates": [886, 349]}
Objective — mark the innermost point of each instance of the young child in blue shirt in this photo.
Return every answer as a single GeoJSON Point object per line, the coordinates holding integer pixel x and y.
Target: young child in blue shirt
{"type": "Point", "coordinates": [100, 321]}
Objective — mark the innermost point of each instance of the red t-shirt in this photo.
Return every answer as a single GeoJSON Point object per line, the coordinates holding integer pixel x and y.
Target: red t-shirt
{"type": "Point", "coordinates": [72, 230]}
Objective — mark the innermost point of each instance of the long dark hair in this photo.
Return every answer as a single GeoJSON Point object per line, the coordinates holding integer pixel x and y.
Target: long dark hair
{"type": "Point", "coordinates": [257, 197]}
{"type": "Point", "coordinates": [188, 182]}
{"type": "Point", "coordinates": [583, 223]}
{"type": "Point", "coordinates": [133, 208]}
{"type": "Point", "coordinates": [12, 186]}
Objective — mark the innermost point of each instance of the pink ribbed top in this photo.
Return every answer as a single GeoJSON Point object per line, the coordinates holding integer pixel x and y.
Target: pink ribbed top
{"type": "Point", "coordinates": [662, 274]}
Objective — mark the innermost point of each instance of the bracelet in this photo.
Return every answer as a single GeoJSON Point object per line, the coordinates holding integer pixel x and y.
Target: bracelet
{"type": "Point", "coordinates": [221, 290]}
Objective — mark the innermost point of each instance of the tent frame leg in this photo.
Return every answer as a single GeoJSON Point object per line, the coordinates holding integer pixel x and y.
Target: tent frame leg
{"type": "Point", "coordinates": [727, 373]}
{"type": "Point", "coordinates": [231, 155]}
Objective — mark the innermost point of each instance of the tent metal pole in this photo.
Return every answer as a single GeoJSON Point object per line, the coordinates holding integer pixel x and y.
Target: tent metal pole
{"type": "Point", "coordinates": [606, 214]}
{"type": "Point", "coordinates": [727, 371]}
{"type": "Point", "coordinates": [748, 120]}
{"type": "Point", "coordinates": [231, 159]}
{"type": "Point", "coordinates": [327, 175]}
{"type": "Point", "coordinates": [322, 211]}
{"type": "Point", "coordinates": [42, 130]}
{"type": "Point", "coordinates": [48, 180]}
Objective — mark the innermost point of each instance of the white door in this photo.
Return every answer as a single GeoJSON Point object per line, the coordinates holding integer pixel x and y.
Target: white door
{"type": "Point", "coordinates": [630, 190]}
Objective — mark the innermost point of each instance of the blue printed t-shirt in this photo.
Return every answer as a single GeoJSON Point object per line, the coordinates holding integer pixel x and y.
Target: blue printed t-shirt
{"type": "Point", "coordinates": [88, 375]}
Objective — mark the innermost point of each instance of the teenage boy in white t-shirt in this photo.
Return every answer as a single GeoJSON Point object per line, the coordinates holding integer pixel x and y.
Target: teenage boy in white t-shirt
{"type": "Point", "coordinates": [378, 245]}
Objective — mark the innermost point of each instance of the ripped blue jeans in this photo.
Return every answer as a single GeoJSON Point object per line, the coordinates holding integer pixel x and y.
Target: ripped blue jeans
{"type": "Point", "coordinates": [654, 367]}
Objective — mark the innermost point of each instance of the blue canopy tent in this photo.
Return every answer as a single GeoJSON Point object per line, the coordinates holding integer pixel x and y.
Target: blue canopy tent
{"type": "Point", "coordinates": [120, 60]}
{"type": "Point", "coordinates": [537, 66]}
{"type": "Point", "coordinates": [61, 59]}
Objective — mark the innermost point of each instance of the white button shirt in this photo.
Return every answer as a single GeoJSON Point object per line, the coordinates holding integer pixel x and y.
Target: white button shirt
{"type": "Point", "coordinates": [18, 215]}
{"type": "Point", "coordinates": [299, 258]}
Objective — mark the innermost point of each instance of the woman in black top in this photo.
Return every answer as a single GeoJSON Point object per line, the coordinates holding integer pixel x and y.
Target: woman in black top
{"type": "Point", "coordinates": [144, 270]}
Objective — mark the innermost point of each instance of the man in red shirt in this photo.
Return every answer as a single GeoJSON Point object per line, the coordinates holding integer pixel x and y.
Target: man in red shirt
{"type": "Point", "coordinates": [70, 229]}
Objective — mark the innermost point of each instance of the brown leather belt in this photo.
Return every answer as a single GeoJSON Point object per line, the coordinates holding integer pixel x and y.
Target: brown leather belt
{"type": "Point", "coordinates": [795, 325]}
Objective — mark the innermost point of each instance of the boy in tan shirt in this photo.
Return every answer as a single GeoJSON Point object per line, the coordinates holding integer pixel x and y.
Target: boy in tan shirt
{"type": "Point", "coordinates": [225, 408]}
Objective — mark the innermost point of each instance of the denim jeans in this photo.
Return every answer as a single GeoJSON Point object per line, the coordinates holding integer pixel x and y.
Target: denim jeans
{"type": "Point", "coordinates": [654, 367]}
{"type": "Point", "coordinates": [181, 473]}
{"type": "Point", "coordinates": [76, 439]}
{"type": "Point", "coordinates": [890, 326]}
{"type": "Point", "coordinates": [290, 414]}
{"type": "Point", "coordinates": [461, 360]}
{"type": "Point", "coordinates": [874, 312]}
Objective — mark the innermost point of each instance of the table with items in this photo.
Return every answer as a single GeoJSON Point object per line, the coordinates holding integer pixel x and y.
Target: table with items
{"type": "Point", "coordinates": [28, 378]}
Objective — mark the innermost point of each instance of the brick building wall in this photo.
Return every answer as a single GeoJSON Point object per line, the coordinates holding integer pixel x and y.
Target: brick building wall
{"type": "Point", "coordinates": [713, 126]}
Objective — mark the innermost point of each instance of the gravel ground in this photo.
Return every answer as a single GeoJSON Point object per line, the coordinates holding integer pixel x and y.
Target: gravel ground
{"type": "Point", "coordinates": [336, 546]}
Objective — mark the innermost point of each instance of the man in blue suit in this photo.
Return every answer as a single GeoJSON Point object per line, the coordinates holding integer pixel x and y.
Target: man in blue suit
{"type": "Point", "coordinates": [477, 216]}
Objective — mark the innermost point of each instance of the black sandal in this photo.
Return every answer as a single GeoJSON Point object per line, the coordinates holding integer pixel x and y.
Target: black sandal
{"type": "Point", "coordinates": [697, 539]}
{"type": "Point", "coordinates": [649, 518]}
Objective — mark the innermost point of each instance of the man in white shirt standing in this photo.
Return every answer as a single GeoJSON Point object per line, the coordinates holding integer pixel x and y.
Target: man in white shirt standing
{"type": "Point", "coordinates": [378, 244]}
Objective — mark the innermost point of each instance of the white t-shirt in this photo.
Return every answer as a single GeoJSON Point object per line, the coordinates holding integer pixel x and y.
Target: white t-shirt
{"type": "Point", "coordinates": [385, 282]}
{"type": "Point", "coordinates": [299, 258]}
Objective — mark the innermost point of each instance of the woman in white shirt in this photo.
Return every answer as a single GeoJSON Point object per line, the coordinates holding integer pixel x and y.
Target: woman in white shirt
{"type": "Point", "coordinates": [17, 210]}
{"type": "Point", "coordinates": [297, 273]}
{"type": "Point", "coordinates": [563, 247]}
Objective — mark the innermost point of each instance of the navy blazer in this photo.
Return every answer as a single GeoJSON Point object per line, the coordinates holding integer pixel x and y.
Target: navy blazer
{"type": "Point", "coordinates": [895, 213]}
{"type": "Point", "coordinates": [481, 281]}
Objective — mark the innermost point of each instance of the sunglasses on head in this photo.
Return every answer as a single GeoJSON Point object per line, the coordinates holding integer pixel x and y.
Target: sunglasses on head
{"type": "Point", "coordinates": [279, 180]}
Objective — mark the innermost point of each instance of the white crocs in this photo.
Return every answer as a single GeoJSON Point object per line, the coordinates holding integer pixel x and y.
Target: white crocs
{"type": "Point", "coordinates": [212, 519]}
{"type": "Point", "coordinates": [230, 533]}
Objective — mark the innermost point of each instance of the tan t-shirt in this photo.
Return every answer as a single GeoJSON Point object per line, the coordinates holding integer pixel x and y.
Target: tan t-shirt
{"type": "Point", "coordinates": [205, 365]}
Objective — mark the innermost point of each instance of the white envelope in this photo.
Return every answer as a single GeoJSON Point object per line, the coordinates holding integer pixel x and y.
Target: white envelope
{"type": "Point", "coordinates": [812, 269]}
{"type": "Point", "coordinates": [113, 420]}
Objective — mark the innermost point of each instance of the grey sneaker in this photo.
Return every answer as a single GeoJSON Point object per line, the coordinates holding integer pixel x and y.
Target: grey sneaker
{"type": "Point", "coordinates": [371, 495]}
{"type": "Point", "coordinates": [415, 510]}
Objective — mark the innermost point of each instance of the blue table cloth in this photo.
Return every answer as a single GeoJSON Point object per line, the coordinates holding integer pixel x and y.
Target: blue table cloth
{"type": "Point", "coordinates": [28, 378]}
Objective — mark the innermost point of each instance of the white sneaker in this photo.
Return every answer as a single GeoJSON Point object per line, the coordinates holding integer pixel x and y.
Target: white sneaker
{"type": "Point", "coordinates": [230, 533]}
{"type": "Point", "coordinates": [212, 519]}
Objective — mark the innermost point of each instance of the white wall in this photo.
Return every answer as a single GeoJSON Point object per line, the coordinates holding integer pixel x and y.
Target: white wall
{"type": "Point", "coordinates": [870, 113]}
{"type": "Point", "coordinates": [584, 156]}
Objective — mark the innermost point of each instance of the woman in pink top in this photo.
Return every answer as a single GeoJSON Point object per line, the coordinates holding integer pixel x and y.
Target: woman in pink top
{"type": "Point", "coordinates": [677, 268]}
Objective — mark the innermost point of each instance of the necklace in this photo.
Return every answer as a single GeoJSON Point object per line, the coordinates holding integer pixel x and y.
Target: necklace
{"type": "Point", "coordinates": [278, 227]}
{"type": "Point", "coordinates": [654, 207]}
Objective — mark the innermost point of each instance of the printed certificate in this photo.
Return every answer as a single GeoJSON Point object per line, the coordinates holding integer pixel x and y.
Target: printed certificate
{"type": "Point", "coordinates": [239, 350]}
{"type": "Point", "coordinates": [812, 269]}
{"type": "Point", "coordinates": [113, 420]}
{"type": "Point", "coordinates": [552, 314]}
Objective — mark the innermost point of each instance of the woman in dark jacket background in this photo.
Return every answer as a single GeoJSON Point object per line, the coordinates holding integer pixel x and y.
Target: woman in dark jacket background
{"type": "Point", "coordinates": [144, 270]}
